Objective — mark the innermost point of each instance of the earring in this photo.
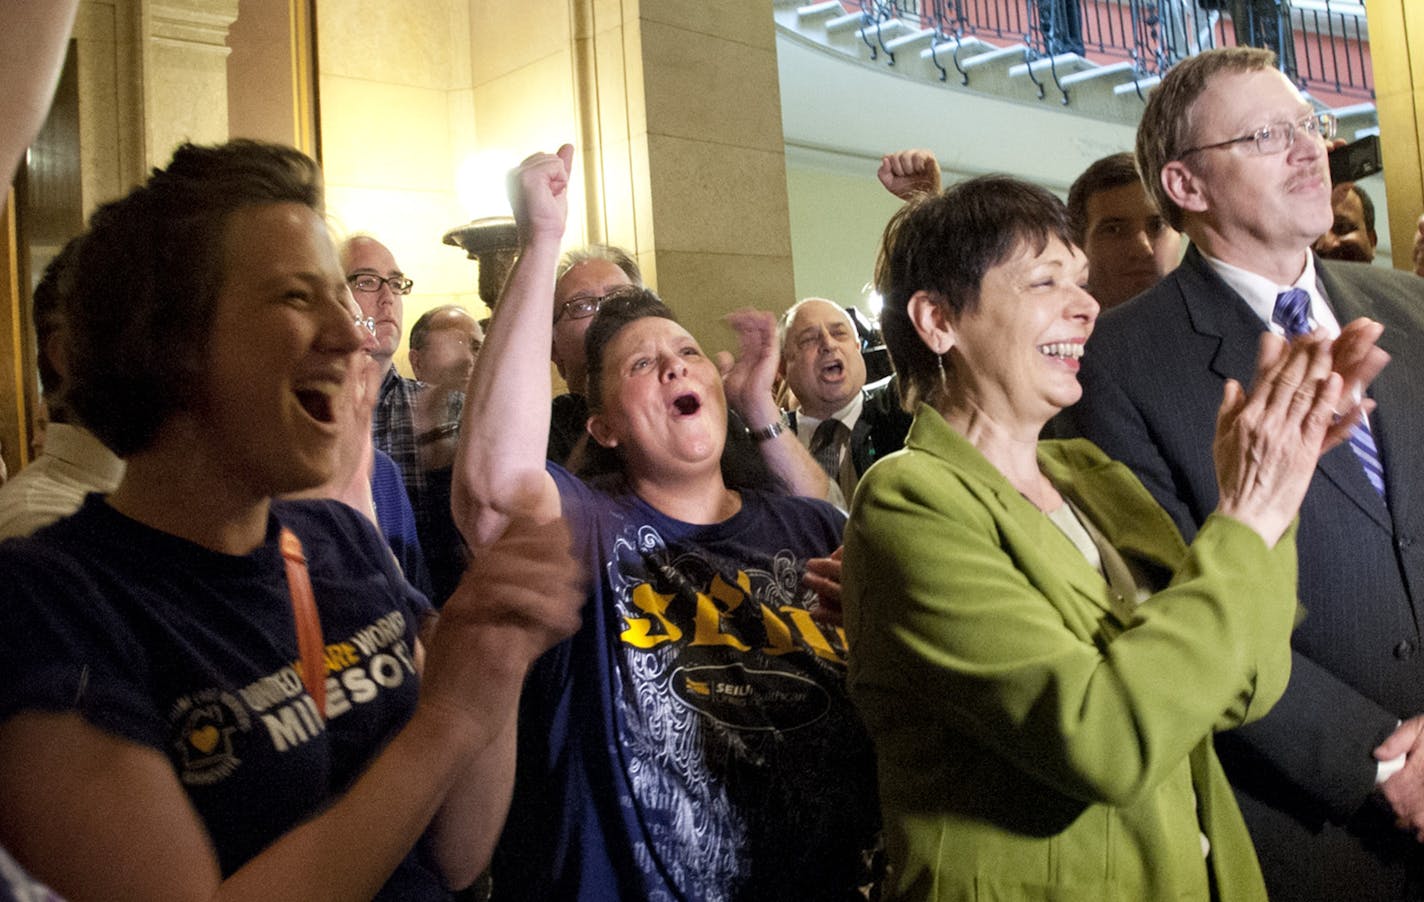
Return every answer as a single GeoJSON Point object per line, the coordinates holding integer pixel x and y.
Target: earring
{"type": "Point", "coordinates": [943, 380]}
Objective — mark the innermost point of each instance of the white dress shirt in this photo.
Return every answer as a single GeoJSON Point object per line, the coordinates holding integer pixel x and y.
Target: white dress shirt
{"type": "Point", "coordinates": [74, 463]}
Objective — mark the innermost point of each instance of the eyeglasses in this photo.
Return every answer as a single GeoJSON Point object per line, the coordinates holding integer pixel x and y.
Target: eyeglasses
{"type": "Point", "coordinates": [366, 324]}
{"type": "Point", "coordinates": [581, 307]}
{"type": "Point", "coordinates": [1278, 136]}
{"type": "Point", "coordinates": [370, 283]}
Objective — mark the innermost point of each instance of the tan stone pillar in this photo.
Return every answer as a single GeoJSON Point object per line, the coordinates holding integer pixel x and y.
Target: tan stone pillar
{"type": "Point", "coordinates": [689, 160]}
{"type": "Point", "coordinates": [1397, 55]}
{"type": "Point", "coordinates": [675, 108]}
{"type": "Point", "coordinates": [184, 73]}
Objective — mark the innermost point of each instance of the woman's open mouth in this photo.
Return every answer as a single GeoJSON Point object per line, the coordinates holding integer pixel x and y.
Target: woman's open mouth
{"type": "Point", "coordinates": [687, 405]}
{"type": "Point", "coordinates": [1066, 350]}
{"type": "Point", "coordinates": [318, 399]}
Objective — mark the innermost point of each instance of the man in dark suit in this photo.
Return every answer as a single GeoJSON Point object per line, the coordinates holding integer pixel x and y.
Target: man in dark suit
{"type": "Point", "coordinates": [846, 424]}
{"type": "Point", "coordinates": [1332, 780]}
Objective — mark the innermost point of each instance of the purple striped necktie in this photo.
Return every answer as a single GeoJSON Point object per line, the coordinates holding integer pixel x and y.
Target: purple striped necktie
{"type": "Point", "coordinates": [1293, 315]}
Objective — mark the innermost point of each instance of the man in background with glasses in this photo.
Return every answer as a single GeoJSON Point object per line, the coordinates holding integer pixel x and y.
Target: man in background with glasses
{"type": "Point", "coordinates": [380, 287]}
{"type": "Point", "coordinates": [585, 277]}
{"type": "Point", "coordinates": [1330, 781]}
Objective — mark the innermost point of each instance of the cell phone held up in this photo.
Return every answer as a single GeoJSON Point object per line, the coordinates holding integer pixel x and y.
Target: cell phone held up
{"type": "Point", "coordinates": [1355, 160]}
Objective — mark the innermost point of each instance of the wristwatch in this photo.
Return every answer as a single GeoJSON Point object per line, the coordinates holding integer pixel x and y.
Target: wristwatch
{"type": "Point", "coordinates": [770, 431]}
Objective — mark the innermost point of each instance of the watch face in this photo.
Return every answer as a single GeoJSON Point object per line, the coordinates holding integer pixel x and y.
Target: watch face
{"type": "Point", "coordinates": [768, 432]}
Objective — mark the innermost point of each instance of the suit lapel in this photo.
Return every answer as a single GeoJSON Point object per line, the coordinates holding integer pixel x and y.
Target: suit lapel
{"type": "Point", "coordinates": [1065, 560]}
{"type": "Point", "coordinates": [856, 453]}
{"type": "Point", "coordinates": [1129, 520]}
{"type": "Point", "coordinates": [1395, 424]}
{"type": "Point", "coordinates": [1140, 530]}
{"type": "Point", "coordinates": [1041, 550]}
{"type": "Point", "coordinates": [1214, 309]}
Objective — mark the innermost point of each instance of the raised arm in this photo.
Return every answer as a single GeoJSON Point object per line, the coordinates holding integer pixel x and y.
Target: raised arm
{"type": "Point", "coordinates": [748, 382]}
{"type": "Point", "coordinates": [907, 174]}
{"type": "Point", "coordinates": [504, 428]}
{"type": "Point", "coordinates": [33, 38]}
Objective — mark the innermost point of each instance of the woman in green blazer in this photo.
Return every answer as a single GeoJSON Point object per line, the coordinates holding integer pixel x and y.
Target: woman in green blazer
{"type": "Point", "coordinates": [1040, 658]}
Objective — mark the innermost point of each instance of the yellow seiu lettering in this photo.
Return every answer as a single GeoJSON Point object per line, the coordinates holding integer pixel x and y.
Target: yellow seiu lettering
{"type": "Point", "coordinates": [815, 639]}
{"type": "Point", "coordinates": [778, 632]}
{"type": "Point", "coordinates": [709, 616]}
{"type": "Point", "coordinates": [639, 633]}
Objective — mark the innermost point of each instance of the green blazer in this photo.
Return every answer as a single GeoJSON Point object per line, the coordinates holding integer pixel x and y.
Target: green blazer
{"type": "Point", "coordinates": [1036, 737]}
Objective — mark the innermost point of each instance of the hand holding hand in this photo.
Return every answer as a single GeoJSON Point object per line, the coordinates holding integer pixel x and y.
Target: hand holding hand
{"type": "Point", "coordinates": [1404, 790]}
{"type": "Point", "coordinates": [538, 193]}
{"type": "Point", "coordinates": [748, 378]}
{"type": "Point", "coordinates": [1268, 440]}
{"type": "Point", "coordinates": [909, 173]}
{"type": "Point", "coordinates": [823, 576]}
{"type": "Point", "coordinates": [521, 595]}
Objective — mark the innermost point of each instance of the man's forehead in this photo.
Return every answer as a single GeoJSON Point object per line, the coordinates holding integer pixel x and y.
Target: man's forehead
{"type": "Point", "coordinates": [1243, 100]}
{"type": "Point", "coordinates": [815, 313]}
{"type": "Point", "coordinates": [1120, 202]}
{"type": "Point", "coordinates": [369, 255]}
{"type": "Point", "coordinates": [594, 274]}
{"type": "Point", "coordinates": [1347, 201]}
{"type": "Point", "coordinates": [455, 321]}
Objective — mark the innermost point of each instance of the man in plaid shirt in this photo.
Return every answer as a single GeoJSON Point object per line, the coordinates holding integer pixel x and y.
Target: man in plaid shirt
{"type": "Point", "coordinates": [380, 288]}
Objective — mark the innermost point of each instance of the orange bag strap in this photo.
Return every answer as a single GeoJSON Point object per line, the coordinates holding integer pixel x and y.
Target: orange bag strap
{"type": "Point", "coordinates": [309, 641]}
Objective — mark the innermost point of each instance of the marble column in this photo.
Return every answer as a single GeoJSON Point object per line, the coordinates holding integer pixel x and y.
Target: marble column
{"type": "Point", "coordinates": [184, 73]}
{"type": "Point", "coordinates": [674, 106]}
{"type": "Point", "coordinates": [1395, 27]}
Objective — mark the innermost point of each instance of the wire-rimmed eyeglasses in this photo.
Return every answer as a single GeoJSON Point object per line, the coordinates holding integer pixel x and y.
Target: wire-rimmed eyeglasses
{"type": "Point", "coordinates": [580, 307]}
{"type": "Point", "coordinates": [1278, 136]}
{"type": "Point", "coordinates": [370, 283]}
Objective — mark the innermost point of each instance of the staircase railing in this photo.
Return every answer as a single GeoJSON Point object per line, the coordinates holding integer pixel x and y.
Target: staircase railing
{"type": "Point", "coordinates": [1323, 45]}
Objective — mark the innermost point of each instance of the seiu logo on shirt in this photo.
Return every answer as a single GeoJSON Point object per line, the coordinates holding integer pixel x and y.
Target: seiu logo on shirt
{"type": "Point", "coordinates": [722, 622]}
{"type": "Point", "coordinates": [715, 620]}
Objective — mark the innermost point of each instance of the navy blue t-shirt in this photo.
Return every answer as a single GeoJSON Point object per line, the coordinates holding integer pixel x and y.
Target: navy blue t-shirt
{"type": "Point", "coordinates": [192, 653]}
{"type": "Point", "coordinates": [396, 519]}
{"type": "Point", "coordinates": [694, 739]}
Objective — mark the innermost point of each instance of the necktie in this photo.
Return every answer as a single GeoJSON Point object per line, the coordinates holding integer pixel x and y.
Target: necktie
{"type": "Point", "coordinates": [1293, 315]}
{"type": "Point", "coordinates": [826, 444]}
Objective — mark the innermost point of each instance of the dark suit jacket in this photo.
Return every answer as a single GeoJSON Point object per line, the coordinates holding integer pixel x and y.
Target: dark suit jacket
{"type": "Point", "coordinates": [1152, 381]}
{"type": "Point", "coordinates": [882, 425]}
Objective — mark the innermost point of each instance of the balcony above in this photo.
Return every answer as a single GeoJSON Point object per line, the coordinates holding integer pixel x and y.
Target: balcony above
{"type": "Point", "coordinates": [1091, 58]}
